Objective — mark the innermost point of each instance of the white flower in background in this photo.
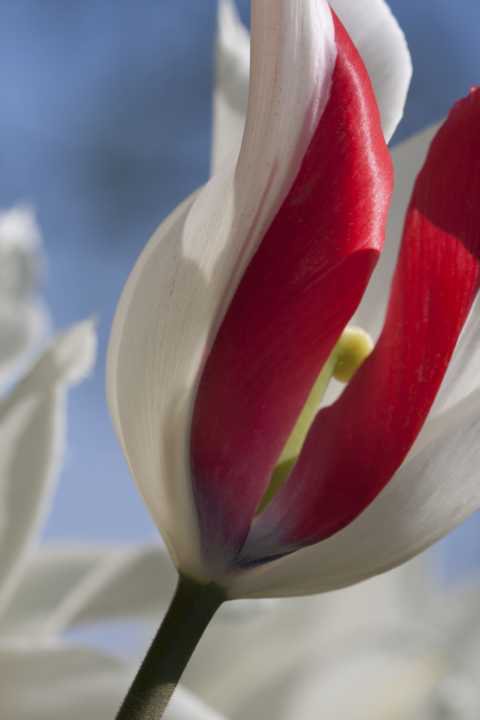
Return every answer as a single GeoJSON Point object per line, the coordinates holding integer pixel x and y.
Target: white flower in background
{"type": "Point", "coordinates": [397, 647]}
{"type": "Point", "coordinates": [23, 319]}
{"type": "Point", "coordinates": [425, 668]}
{"type": "Point", "coordinates": [46, 590]}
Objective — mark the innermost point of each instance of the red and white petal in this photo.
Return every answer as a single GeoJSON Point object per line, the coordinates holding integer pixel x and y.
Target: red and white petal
{"type": "Point", "coordinates": [464, 370]}
{"type": "Point", "coordinates": [356, 445]}
{"type": "Point", "coordinates": [408, 158]}
{"type": "Point", "coordinates": [293, 302]}
{"type": "Point", "coordinates": [429, 496]}
{"type": "Point", "coordinates": [384, 50]}
{"type": "Point", "coordinates": [180, 288]}
{"type": "Point", "coordinates": [374, 31]}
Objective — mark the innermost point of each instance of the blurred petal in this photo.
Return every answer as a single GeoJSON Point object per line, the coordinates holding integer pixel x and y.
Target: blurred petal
{"type": "Point", "coordinates": [135, 584]}
{"type": "Point", "coordinates": [181, 285]}
{"type": "Point", "coordinates": [290, 308]}
{"type": "Point", "coordinates": [430, 495]}
{"type": "Point", "coordinates": [286, 637]}
{"type": "Point", "coordinates": [22, 327]}
{"type": "Point", "coordinates": [20, 259]}
{"type": "Point", "coordinates": [50, 575]}
{"type": "Point", "coordinates": [356, 445]}
{"type": "Point", "coordinates": [67, 361]}
{"type": "Point", "coordinates": [54, 683]}
{"type": "Point", "coordinates": [23, 319]}
{"type": "Point", "coordinates": [63, 587]}
{"type": "Point", "coordinates": [186, 706]}
{"type": "Point", "coordinates": [31, 446]}
{"type": "Point", "coordinates": [374, 31]}
{"type": "Point", "coordinates": [375, 682]}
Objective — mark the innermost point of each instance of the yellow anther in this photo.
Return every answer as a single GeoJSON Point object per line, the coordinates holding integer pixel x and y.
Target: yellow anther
{"type": "Point", "coordinates": [353, 348]}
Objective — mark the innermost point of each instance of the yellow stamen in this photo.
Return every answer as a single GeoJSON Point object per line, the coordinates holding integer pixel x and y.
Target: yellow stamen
{"type": "Point", "coordinates": [353, 348]}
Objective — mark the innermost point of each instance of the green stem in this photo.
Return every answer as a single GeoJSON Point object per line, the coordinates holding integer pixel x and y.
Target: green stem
{"type": "Point", "coordinates": [191, 610]}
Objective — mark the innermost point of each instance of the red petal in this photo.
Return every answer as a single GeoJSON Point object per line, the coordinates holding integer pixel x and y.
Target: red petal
{"type": "Point", "coordinates": [355, 446]}
{"type": "Point", "coordinates": [296, 296]}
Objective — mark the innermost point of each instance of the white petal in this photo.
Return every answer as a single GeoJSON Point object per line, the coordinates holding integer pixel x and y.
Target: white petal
{"type": "Point", "coordinates": [463, 374]}
{"type": "Point", "coordinates": [187, 706]}
{"type": "Point", "coordinates": [22, 327]}
{"type": "Point", "coordinates": [64, 586]}
{"type": "Point", "coordinates": [373, 683]}
{"type": "Point", "coordinates": [231, 84]}
{"type": "Point", "coordinates": [20, 256]}
{"type": "Point", "coordinates": [284, 638]}
{"type": "Point", "coordinates": [371, 26]}
{"type": "Point", "coordinates": [54, 683]}
{"type": "Point", "coordinates": [384, 51]}
{"type": "Point", "coordinates": [135, 584]}
{"type": "Point", "coordinates": [181, 285]}
{"type": "Point", "coordinates": [31, 446]}
{"type": "Point", "coordinates": [67, 361]}
{"type": "Point", "coordinates": [50, 575]}
{"type": "Point", "coordinates": [23, 319]}
{"type": "Point", "coordinates": [455, 697]}
{"type": "Point", "coordinates": [429, 496]}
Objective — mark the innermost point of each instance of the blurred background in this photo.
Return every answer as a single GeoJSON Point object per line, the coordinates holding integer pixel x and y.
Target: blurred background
{"type": "Point", "coordinates": [105, 125]}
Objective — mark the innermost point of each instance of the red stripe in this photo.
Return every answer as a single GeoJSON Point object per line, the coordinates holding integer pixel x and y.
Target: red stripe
{"type": "Point", "coordinates": [298, 292]}
{"type": "Point", "coordinates": [355, 446]}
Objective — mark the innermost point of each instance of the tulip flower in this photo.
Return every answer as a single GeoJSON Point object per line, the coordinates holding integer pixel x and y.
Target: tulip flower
{"type": "Point", "coordinates": [233, 322]}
